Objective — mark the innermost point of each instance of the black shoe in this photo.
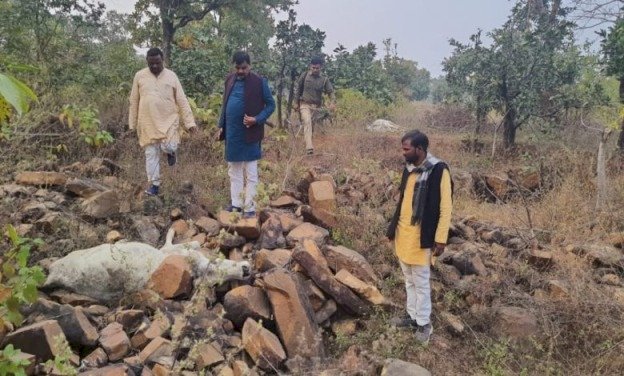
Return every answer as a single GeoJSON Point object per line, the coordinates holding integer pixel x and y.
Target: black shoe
{"type": "Point", "coordinates": [423, 334]}
{"type": "Point", "coordinates": [404, 322]}
{"type": "Point", "coordinates": [171, 159]}
{"type": "Point", "coordinates": [310, 151]}
{"type": "Point", "coordinates": [233, 209]}
{"type": "Point", "coordinates": [153, 190]}
{"type": "Point", "coordinates": [249, 214]}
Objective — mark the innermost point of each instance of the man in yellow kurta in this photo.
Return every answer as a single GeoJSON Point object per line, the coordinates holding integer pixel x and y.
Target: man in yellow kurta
{"type": "Point", "coordinates": [157, 101]}
{"type": "Point", "coordinates": [420, 227]}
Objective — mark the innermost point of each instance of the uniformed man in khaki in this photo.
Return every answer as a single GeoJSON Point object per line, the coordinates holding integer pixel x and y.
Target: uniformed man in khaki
{"type": "Point", "coordinates": [309, 97]}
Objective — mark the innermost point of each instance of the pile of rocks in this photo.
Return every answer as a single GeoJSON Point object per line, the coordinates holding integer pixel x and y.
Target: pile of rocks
{"type": "Point", "coordinates": [498, 275]}
{"type": "Point", "coordinates": [302, 289]}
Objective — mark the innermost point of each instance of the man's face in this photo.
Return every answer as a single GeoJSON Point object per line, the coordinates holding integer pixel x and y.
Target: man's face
{"type": "Point", "coordinates": [155, 64]}
{"type": "Point", "coordinates": [242, 70]}
{"type": "Point", "coordinates": [315, 69]}
{"type": "Point", "coordinates": [413, 155]}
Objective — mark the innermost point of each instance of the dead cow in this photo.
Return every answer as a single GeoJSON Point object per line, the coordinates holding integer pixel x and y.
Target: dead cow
{"type": "Point", "coordinates": [109, 271]}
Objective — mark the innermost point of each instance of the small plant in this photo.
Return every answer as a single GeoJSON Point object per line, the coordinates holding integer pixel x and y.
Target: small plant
{"type": "Point", "coordinates": [18, 282]}
{"type": "Point", "coordinates": [61, 364]}
{"type": "Point", "coordinates": [11, 363]}
{"type": "Point", "coordinates": [341, 237]}
{"type": "Point", "coordinates": [265, 192]}
{"type": "Point", "coordinates": [88, 125]}
{"type": "Point", "coordinates": [395, 177]}
{"type": "Point", "coordinates": [495, 357]}
{"type": "Point", "coordinates": [452, 299]}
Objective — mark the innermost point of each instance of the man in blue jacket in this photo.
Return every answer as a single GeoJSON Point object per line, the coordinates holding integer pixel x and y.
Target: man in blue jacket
{"type": "Point", "coordinates": [247, 104]}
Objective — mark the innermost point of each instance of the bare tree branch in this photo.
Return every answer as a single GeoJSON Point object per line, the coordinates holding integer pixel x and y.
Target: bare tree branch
{"type": "Point", "coordinates": [596, 12]}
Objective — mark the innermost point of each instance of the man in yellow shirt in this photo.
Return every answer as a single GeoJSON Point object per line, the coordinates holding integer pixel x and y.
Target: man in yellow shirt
{"type": "Point", "coordinates": [157, 102]}
{"type": "Point", "coordinates": [420, 227]}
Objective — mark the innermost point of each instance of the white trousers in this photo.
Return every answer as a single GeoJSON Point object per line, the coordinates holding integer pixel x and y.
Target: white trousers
{"type": "Point", "coordinates": [418, 291]}
{"type": "Point", "coordinates": [243, 191]}
{"type": "Point", "coordinates": [152, 159]}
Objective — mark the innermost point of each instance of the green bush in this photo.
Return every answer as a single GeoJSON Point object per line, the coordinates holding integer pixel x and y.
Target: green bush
{"type": "Point", "coordinates": [88, 125]}
{"type": "Point", "coordinates": [18, 282]}
{"type": "Point", "coordinates": [354, 108]}
{"type": "Point", "coordinates": [11, 363]}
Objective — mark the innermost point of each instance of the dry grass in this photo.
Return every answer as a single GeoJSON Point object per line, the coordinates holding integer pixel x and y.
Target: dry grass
{"type": "Point", "coordinates": [580, 335]}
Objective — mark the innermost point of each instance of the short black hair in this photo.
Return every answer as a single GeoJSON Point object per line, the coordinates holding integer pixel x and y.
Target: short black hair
{"type": "Point", "coordinates": [155, 51]}
{"type": "Point", "coordinates": [317, 60]}
{"type": "Point", "coordinates": [240, 57]}
{"type": "Point", "coordinates": [417, 138]}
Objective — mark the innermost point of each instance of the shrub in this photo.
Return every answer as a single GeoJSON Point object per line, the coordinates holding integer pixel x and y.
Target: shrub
{"type": "Point", "coordinates": [353, 107]}
{"type": "Point", "coordinates": [11, 363]}
{"type": "Point", "coordinates": [18, 282]}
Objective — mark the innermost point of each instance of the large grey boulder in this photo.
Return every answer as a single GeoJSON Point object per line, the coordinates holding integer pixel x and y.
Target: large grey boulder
{"type": "Point", "coordinates": [397, 367]}
{"type": "Point", "coordinates": [383, 125]}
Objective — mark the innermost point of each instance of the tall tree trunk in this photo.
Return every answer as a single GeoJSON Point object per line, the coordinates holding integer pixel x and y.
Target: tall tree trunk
{"type": "Point", "coordinates": [280, 96]}
{"type": "Point", "coordinates": [168, 33]}
{"type": "Point", "coordinates": [536, 6]}
{"type": "Point", "coordinates": [620, 142]}
{"type": "Point", "coordinates": [601, 172]}
{"type": "Point", "coordinates": [554, 10]}
{"type": "Point", "coordinates": [509, 127]}
{"type": "Point", "coordinates": [291, 90]}
{"type": "Point", "coordinates": [480, 121]}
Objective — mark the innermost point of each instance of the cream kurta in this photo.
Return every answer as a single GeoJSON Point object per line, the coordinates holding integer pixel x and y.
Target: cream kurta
{"type": "Point", "coordinates": [156, 104]}
{"type": "Point", "coordinates": [407, 240]}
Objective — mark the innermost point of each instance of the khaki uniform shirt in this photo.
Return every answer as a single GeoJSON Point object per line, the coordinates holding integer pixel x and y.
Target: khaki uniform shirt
{"type": "Point", "coordinates": [313, 89]}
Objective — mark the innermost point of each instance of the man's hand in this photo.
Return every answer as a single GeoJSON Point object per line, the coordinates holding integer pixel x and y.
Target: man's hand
{"type": "Point", "coordinates": [249, 121]}
{"type": "Point", "coordinates": [438, 249]}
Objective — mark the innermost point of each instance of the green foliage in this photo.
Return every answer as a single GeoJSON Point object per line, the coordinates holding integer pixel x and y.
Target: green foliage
{"type": "Point", "coordinates": [201, 62]}
{"type": "Point", "coordinates": [18, 282]}
{"type": "Point", "coordinates": [160, 27]}
{"type": "Point", "coordinates": [48, 33]}
{"type": "Point", "coordinates": [355, 108]}
{"type": "Point", "coordinates": [208, 115]}
{"type": "Point", "coordinates": [409, 80]}
{"type": "Point", "coordinates": [613, 49]}
{"type": "Point", "coordinates": [438, 90]}
{"type": "Point", "coordinates": [202, 50]}
{"type": "Point", "coordinates": [264, 193]}
{"type": "Point", "coordinates": [16, 93]}
{"type": "Point", "coordinates": [524, 74]}
{"type": "Point", "coordinates": [295, 45]}
{"type": "Point", "coordinates": [340, 237]}
{"type": "Point", "coordinates": [10, 362]}
{"type": "Point", "coordinates": [469, 78]}
{"type": "Point", "coordinates": [88, 125]}
{"type": "Point", "coordinates": [360, 71]}
{"type": "Point", "coordinates": [61, 363]}
{"type": "Point", "coordinates": [495, 359]}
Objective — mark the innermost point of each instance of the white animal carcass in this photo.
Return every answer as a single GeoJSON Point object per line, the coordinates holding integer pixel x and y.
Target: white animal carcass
{"type": "Point", "coordinates": [109, 271]}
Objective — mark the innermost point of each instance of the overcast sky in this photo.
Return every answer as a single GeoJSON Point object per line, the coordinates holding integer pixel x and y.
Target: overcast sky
{"type": "Point", "coordinates": [421, 28]}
